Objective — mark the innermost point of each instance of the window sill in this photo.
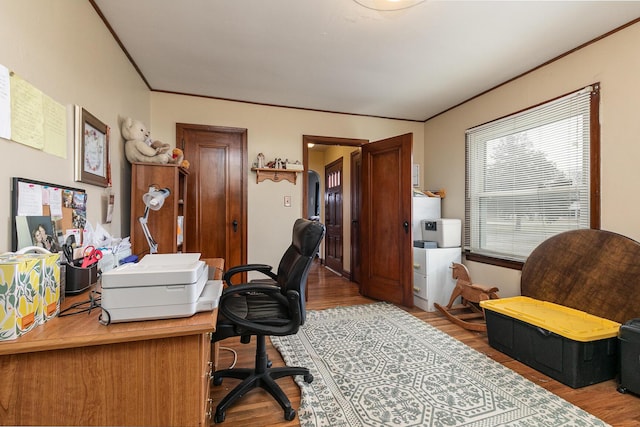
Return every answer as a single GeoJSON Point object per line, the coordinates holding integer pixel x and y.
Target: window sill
{"type": "Point", "coordinates": [499, 262]}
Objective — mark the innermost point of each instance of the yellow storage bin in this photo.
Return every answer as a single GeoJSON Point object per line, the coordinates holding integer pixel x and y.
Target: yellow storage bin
{"type": "Point", "coordinates": [571, 346]}
{"type": "Point", "coordinates": [567, 322]}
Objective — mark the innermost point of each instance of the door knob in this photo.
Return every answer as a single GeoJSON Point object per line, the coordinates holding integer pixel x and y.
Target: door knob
{"type": "Point", "coordinates": [406, 226]}
{"type": "Point", "coordinates": [235, 225]}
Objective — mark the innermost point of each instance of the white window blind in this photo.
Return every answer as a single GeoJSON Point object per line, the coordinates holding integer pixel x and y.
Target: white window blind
{"type": "Point", "coordinates": [528, 177]}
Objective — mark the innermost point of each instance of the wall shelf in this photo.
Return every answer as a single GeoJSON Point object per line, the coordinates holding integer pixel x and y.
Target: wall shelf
{"type": "Point", "coordinates": [276, 175]}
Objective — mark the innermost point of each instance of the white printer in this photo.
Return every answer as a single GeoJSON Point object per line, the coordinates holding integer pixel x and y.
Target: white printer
{"type": "Point", "coordinates": [160, 286]}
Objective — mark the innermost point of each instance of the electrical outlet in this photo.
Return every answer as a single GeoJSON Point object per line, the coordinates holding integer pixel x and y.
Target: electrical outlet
{"type": "Point", "coordinates": [287, 201]}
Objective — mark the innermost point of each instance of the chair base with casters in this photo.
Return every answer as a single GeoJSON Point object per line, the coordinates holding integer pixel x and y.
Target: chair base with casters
{"type": "Point", "coordinates": [274, 306]}
{"type": "Point", "coordinates": [263, 376]}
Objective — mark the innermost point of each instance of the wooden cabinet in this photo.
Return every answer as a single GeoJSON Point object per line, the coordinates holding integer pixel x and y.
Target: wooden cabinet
{"type": "Point", "coordinates": [163, 223]}
{"type": "Point", "coordinates": [75, 371]}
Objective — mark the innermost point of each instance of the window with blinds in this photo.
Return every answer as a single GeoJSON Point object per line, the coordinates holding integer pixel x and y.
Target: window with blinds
{"type": "Point", "coordinates": [531, 175]}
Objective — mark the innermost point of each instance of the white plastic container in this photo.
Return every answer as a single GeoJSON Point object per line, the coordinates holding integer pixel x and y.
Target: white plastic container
{"type": "Point", "coordinates": [446, 232]}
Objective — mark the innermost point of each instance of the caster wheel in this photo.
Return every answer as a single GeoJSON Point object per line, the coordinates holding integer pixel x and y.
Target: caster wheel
{"type": "Point", "coordinates": [289, 414]}
{"type": "Point", "coordinates": [220, 416]}
{"type": "Point", "coordinates": [269, 363]}
{"type": "Point", "coordinates": [622, 389]}
{"type": "Point", "coordinates": [217, 380]}
{"type": "Point", "coordinates": [308, 378]}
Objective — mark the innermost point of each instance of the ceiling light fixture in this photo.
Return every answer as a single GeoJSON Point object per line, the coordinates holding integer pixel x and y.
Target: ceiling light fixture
{"type": "Point", "coordinates": [388, 5]}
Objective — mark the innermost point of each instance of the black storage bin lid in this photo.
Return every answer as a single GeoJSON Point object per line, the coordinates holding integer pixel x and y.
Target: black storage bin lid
{"type": "Point", "coordinates": [630, 331]}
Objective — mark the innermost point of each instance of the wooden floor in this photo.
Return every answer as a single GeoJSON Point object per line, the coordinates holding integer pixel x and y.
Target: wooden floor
{"type": "Point", "coordinates": [326, 290]}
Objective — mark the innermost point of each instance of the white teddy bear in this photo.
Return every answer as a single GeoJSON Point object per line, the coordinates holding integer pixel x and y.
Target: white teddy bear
{"type": "Point", "coordinates": [138, 146]}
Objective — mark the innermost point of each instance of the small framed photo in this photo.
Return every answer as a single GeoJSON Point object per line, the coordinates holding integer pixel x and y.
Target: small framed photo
{"type": "Point", "coordinates": [91, 149]}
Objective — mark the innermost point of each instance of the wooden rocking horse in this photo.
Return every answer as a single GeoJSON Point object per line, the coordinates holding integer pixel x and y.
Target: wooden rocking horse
{"type": "Point", "coordinates": [468, 314]}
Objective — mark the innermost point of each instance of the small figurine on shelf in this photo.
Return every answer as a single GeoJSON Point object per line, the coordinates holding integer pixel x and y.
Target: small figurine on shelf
{"type": "Point", "coordinates": [260, 162]}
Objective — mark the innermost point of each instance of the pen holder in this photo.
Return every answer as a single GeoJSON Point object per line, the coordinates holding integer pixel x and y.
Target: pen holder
{"type": "Point", "coordinates": [79, 279]}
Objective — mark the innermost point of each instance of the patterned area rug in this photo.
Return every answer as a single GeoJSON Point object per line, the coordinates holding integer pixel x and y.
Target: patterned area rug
{"type": "Point", "coordinates": [377, 365]}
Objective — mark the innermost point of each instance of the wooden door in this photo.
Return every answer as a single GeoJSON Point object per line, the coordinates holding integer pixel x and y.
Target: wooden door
{"type": "Point", "coordinates": [356, 203]}
{"type": "Point", "coordinates": [333, 215]}
{"type": "Point", "coordinates": [217, 191]}
{"type": "Point", "coordinates": [385, 221]}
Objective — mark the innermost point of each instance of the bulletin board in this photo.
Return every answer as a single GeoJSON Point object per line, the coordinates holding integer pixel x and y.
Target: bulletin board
{"type": "Point", "coordinates": [46, 214]}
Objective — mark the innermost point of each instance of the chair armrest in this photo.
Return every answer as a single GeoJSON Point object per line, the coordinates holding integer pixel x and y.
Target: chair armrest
{"type": "Point", "coordinates": [291, 302]}
{"type": "Point", "coordinates": [261, 268]}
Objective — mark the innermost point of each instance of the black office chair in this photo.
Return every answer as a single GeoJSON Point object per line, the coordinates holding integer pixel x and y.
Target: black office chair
{"type": "Point", "coordinates": [273, 306]}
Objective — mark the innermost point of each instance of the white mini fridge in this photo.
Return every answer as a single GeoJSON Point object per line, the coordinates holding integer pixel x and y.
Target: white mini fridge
{"type": "Point", "coordinates": [432, 279]}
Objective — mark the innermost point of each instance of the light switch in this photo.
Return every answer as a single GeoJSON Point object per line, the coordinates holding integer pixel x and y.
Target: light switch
{"type": "Point", "coordinates": [287, 201]}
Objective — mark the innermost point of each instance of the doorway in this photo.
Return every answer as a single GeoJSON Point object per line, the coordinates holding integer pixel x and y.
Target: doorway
{"type": "Point", "coordinates": [320, 145]}
{"type": "Point", "coordinates": [384, 266]}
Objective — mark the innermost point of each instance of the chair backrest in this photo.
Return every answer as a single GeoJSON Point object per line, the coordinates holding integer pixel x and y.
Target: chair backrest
{"type": "Point", "coordinates": [297, 259]}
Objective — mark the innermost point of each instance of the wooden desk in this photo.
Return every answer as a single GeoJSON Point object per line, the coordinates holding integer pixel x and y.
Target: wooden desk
{"type": "Point", "coordinates": [75, 371]}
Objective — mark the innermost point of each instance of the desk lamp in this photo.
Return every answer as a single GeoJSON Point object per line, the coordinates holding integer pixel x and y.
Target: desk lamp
{"type": "Point", "coordinates": [153, 200]}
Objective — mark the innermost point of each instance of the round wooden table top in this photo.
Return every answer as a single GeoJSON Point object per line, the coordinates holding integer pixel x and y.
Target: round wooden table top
{"type": "Point", "coordinates": [594, 271]}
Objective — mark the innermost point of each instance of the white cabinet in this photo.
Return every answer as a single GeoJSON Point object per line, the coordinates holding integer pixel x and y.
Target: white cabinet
{"type": "Point", "coordinates": [432, 280]}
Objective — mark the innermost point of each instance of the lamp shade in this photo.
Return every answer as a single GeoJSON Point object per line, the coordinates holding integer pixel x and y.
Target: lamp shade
{"type": "Point", "coordinates": [155, 199]}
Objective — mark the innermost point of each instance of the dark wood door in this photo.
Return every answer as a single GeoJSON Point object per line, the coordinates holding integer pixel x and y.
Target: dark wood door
{"type": "Point", "coordinates": [356, 203]}
{"type": "Point", "coordinates": [333, 215]}
{"type": "Point", "coordinates": [217, 191]}
{"type": "Point", "coordinates": [385, 221]}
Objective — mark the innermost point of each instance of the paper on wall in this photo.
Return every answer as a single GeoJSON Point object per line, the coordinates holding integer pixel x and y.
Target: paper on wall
{"type": "Point", "coordinates": [5, 103]}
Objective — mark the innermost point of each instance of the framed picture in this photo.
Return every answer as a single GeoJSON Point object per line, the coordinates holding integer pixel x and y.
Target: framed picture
{"type": "Point", "coordinates": [92, 149]}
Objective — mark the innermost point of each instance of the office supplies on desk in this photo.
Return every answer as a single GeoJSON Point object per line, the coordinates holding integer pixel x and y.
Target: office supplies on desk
{"type": "Point", "coordinates": [160, 286]}
{"type": "Point", "coordinates": [78, 279]}
{"type": "Point", "coordinates": [67, 250]}
{"type": "Point", "coordinates": [91, 256]}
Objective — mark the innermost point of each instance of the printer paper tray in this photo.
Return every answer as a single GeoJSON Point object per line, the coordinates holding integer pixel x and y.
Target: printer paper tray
{"type": "Point", "coordinates": [207, 301]}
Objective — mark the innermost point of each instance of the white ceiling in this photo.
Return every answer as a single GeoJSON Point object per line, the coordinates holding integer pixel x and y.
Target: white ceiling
{"type": "Point", "coordinates": [335, 55]}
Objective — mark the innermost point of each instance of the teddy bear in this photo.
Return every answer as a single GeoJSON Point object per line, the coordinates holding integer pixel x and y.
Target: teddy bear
{"type": "Point", "coordinates": [160, 147]}
{"type": "Point", "coordinates": [138, 145]}
{"type": "Point", "coordinates": [177, 157]}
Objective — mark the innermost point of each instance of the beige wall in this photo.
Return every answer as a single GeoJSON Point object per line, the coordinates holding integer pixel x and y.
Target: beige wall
{"type": "Point", "coordinates": [276, 132]}
{"type": "Point", "coordinates": [615, 63]}
{"type": "Point", "coordinates": [64, 49]}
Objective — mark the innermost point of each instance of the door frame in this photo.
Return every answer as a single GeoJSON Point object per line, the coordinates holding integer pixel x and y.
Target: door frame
{"type": "Point", "coordinates": [321, 140]}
